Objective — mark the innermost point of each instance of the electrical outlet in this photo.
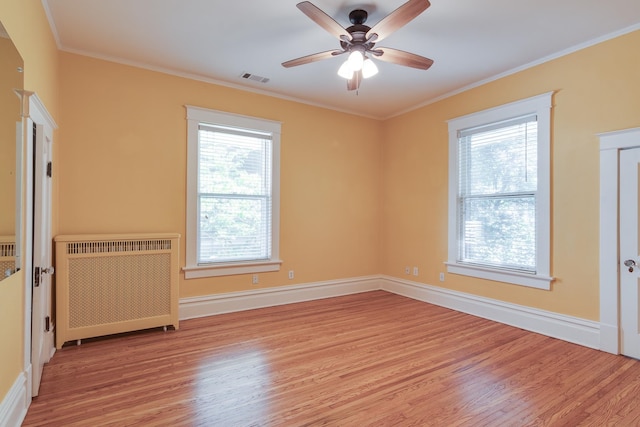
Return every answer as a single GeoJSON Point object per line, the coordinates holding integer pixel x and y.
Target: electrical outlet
{"type": "Point", "coordinates": [254, 279]}
{"type": "Point", "coordinates": [442, 277]}
{"type": "Point", "coordinates": [415, 271]}
{"type": "Point", "coordinates": [407, 270]}
{"type": "Point", "coordinates": [290, 274]}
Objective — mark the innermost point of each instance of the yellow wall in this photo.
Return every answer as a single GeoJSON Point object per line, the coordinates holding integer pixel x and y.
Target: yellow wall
{"type": "Point", "coordinates": [123, 169]}
{"type": "Point", "coordinates": [26, 23]}
{"type": "Point", "coordinates": [11, 330]}
{"type": "Point", "coordinates": [10, 79]}
{"type": "Point", "coordinates": [597, 90]}
{"type": "Point", "coordinates": [344, 178]}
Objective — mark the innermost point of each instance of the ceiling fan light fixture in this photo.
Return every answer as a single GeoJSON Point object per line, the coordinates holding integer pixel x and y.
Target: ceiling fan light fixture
{"type": "Point", "coordinates": [358, 41]}
{"type": "Point", "coordinates": [356, 60]}
{"type": "Point", "coordinates": [345, 70]}
{"type": "Point", "coordinates": [369, 68]}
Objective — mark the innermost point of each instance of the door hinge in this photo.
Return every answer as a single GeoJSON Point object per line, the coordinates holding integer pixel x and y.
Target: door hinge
{"type": "Point", "coordinates": [49, 167]}
{"type": "Point", "coordinates": [47, 324]}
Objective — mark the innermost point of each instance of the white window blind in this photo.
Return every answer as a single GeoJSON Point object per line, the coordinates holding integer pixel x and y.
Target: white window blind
{"type": "Point", "coordinates": [234, 194]}
{"type": "Point", "coordinates": [496, 212]}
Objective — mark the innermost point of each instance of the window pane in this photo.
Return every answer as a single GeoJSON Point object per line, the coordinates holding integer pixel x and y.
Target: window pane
{"type": "Point", "coordinates": [499, 232]}
{"type": "Point", "coordinates": [499, 161]}
{"type": "Point", "coordinates": [233, 164]}
{"type": "Point", "coordinates": [233, 229]}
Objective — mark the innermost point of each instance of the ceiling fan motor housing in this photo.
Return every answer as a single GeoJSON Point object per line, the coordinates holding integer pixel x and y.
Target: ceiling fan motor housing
{"type": "Point", "coordinates": [358, 31]}
{"type": "Point", "coordinates": [358, 16]}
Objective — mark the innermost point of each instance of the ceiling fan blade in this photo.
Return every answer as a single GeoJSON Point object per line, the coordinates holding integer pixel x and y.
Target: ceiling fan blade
{"type": "Point", "coordinates": [354, 82]}
{"type": "Point", "coordinates": [398, 18]}
{"type": "Point", "coordinates": [322, 19]}
{"type": "Point", "coordinates": [311, 58]}
{"type": "Point", "coordinates": [407, 59]}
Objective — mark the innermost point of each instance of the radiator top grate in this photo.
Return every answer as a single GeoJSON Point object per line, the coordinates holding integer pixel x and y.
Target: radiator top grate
{"type": "Point", "coordinates": [141, 245]}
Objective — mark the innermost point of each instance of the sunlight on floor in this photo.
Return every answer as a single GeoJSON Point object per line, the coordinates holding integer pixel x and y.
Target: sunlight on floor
{"type": "Point", "coordinates": [231, 387]}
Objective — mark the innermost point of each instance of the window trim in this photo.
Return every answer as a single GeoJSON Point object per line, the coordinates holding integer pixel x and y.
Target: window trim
{"type": "Point", "coordinates": [539, 105]}
{"type": "Point", "coordinates": [195, 116]}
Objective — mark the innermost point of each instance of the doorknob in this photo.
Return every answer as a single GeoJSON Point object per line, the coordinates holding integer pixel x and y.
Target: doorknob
{"type": "Point", "coordinates": [630, 263]}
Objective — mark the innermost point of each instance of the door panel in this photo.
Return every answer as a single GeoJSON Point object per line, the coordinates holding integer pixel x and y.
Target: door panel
{"type": "Point", "coordinates": [629, 254]}
{"type": "Point", "coordinates": [41, 324]}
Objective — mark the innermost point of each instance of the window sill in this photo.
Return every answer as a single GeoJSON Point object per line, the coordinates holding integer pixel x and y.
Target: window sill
{"type": "Point", "coordinates": [506, 276]}
{"type": "Point", "coordinates": [214, 270]}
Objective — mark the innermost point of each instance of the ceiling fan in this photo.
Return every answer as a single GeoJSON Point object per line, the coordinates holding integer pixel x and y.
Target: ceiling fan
{"type": "Point", "coordinates": [359, 41]}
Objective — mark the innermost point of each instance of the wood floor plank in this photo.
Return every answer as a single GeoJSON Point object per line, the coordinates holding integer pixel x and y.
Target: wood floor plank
{"type": "Point", "coordinates": [371, 359]}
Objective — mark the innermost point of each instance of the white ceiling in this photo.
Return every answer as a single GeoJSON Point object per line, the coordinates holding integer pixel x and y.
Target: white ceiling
{"type": "Point", "coordinates": [471, 41]}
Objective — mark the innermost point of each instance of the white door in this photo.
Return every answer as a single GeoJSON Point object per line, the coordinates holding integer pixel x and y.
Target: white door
{"type": "Point", "coordinates": [629, 253]}
{"type": "Point", "coordinates": [41, 322]}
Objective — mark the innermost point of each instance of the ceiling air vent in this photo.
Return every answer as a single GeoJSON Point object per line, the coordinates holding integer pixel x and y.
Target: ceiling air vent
{"type": "Point", "coordinates": [254, 77]}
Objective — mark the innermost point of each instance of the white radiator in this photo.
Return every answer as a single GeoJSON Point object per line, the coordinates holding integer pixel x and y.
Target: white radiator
{"type": "Point", "coordinates": [107, 284]}
{"type": "Point", "coordinates": [7, 256]}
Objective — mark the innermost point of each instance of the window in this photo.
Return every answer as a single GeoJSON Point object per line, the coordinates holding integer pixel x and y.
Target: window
{"type": "Point", "coordinates": [232, 194]}
{"type": "Point", "coordinates": [499, 180]}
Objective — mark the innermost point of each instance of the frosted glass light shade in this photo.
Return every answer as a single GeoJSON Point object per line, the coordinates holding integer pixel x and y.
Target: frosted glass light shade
{"type": "Point", "coordinates": [356, 60]}
{"type": "Point", "coordinates": [345, 70]}
{"type": "Point", "coordinates": [369, 68]}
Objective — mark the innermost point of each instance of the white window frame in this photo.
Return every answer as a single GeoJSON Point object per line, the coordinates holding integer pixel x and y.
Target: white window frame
{"type": "Point", "coordinates": [195, 116]}
{"type": "Point", "coordinates": [540, 106]}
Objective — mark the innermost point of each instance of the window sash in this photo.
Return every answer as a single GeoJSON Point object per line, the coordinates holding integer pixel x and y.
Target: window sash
{"type": "Point", "coordinates": [237, 246]}
{"type": "Point", "coordinates": [513, 248]}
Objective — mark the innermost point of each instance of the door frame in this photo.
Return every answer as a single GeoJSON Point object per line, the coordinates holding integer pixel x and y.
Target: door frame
{"type": "Point", "coordinates": [33, 111]}
{"type": "Point", "coordinates": [611, 143]}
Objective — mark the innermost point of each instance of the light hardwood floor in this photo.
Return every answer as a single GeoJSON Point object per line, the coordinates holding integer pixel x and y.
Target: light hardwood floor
{"type": "Point", "coordinates": [368, 359]}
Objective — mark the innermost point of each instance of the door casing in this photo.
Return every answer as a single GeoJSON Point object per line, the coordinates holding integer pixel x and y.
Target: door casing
{"type": "Point", "coordinates": [611, 143]}
{"type": "Point", "coordinates": [33, 112]}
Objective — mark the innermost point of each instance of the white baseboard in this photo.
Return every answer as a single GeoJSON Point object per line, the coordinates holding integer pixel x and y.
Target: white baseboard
{"type": "Point", "coordinates": [13, 407]}
{"type": "Point", "coordinates": [567, 328]}
{"type": "Point", "coordinates": [209, 305]}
